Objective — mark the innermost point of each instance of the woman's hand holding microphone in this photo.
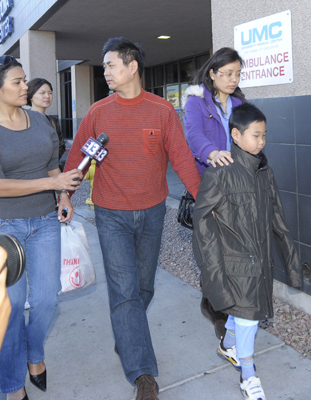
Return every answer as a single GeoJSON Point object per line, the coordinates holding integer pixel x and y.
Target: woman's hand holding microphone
{"type": "Point", "coordinates": [70, 180]}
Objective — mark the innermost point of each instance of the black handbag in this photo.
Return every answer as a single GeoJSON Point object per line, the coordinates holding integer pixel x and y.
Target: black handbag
{"type": "Point", "coordinates": [185, 210]}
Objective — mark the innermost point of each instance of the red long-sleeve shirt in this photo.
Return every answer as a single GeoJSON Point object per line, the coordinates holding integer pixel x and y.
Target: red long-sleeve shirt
{"type": "Point", "coordinates": [144, 132]}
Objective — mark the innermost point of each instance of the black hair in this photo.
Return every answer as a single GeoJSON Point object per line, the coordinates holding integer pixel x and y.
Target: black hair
{"type": "Point", "coordinates": [219, 59]}
{"type": "Point", "coordinates": [33, 86]}
{"type": "Point", "coordinates": [9, 62]}
{"type": "Point", "coordinates": [128, 51]}
{"type": "Point", "coordinates": [243, 115]}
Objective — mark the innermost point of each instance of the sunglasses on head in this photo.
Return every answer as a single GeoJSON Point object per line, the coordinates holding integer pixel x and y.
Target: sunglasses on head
{"type": "Point", "coordinates": [6, 60]}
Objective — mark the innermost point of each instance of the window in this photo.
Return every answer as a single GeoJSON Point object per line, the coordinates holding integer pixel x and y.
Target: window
{"type": "Point", "coordinates": [170, 80]}
{"type": "Point", "coordinates": [186, 68]}
{"type": "Point", "coordinates": [159, 91]}
{"type": "Point", "coordinates": [66, 103]}
{"type": "Point", "coordinates": [101, 89]}
{"type": "Point", "coordinates": [201, 60]}
{"type": "Point", "coordinates": [171, 72]}
{"type": "Point", "coordinates": [158, 76]}
{"type": "Point", "coordinates": [148, 77]}
{"type": "Point", "coordinates": [172, 95]}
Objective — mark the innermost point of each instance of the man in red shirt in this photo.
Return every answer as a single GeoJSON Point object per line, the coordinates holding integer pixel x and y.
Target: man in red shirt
{"type": "Point", "coordinates": [129, 194]}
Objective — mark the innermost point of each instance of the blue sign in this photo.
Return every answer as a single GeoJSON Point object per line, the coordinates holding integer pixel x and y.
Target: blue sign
{"type": "Point", "coordinates": [5, 8]}
{"type": "Point", "coordinates": [6, 29]}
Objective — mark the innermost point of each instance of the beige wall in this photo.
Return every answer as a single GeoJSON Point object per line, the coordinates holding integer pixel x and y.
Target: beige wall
{"type": "Point", "coordinates": [227, 14]}
{"type": "Point", "coordinates": [81, 88]}
{"type": "Point", "coordinates": [38, 57]}
{"type": "Point", "coordinates": [82, 93]}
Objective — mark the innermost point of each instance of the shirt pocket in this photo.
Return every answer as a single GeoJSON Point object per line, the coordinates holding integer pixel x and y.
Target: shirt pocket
{"type": "Point", "coordinates": [243, 274]}
{"type": "Point", "coordinates": [151, 140]}
{"type": "Point", "coordinates": [239, 212]}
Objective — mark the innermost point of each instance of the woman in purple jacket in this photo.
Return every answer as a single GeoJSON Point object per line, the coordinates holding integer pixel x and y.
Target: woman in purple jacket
{"type": "Point", "coordinates": [208, 101]}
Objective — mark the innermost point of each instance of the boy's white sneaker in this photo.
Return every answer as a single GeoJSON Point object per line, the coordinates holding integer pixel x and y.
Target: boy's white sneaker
{"type": "Point", "coordinates": [229, 355]}
{"type": "Point", "coordinates": [251, 389]}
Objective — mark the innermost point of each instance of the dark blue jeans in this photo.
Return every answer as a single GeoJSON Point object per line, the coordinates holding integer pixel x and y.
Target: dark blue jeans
{"type": "Point", "coordinates": [130, 243]}
{"type": "Point", "coordinates": [40, 238]}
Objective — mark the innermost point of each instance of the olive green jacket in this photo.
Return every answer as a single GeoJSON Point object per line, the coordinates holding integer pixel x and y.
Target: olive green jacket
{"type": "Point", "coordinates": [237, 211]}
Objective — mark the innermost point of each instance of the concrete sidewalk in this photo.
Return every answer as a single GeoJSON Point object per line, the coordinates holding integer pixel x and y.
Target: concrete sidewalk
{"type": "Point", "coordinates": [82, 364]}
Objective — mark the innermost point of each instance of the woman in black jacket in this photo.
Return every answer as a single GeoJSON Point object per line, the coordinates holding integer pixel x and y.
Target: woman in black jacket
{"type": "Point", "coordinates": [39, 98]}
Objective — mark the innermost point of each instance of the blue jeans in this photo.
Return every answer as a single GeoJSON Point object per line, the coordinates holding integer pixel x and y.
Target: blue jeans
{"type": "Point", "coordinates": [130, 243]}
{"type": "Point", "coordinates": [40, 238]}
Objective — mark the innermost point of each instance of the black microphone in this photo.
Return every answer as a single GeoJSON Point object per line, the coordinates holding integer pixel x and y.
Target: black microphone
{"type": "Point", "coordinates": [94, 150]}
{"type": "Point", "coordinates": [16, 257]}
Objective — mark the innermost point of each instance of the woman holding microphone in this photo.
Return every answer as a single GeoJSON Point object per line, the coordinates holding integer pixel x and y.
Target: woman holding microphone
{"type": "Point", "coordinates": [29, 177]}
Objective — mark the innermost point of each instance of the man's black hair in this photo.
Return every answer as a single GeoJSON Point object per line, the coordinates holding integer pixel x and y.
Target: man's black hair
{"type": "Point", "coordinates": [243, 115]}
{"type": "Point", "coordinates": [128, 51]}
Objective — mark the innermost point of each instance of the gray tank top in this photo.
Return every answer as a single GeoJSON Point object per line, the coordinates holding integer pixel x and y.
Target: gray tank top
{"type": "Point", "coordinates": [28, 154]}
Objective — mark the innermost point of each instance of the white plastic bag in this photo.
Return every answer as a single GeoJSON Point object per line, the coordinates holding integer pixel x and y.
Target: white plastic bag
{"type": "Point", "coordinates": [77, 270]}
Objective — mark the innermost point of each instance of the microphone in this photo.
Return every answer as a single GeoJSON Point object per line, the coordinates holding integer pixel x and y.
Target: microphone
{"type": "Point", "coordinates": [16, 257]}
{"type": "Point", "coordinates": [94, 149]}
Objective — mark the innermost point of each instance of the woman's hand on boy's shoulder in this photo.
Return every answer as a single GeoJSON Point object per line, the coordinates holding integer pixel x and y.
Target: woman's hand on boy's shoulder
{"type": "Point", "coordinates": [221, 157]}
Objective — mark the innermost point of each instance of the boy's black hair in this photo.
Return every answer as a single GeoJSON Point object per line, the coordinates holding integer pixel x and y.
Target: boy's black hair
{"type": "Point", "coordinates": [128, 51]}
{"type": "Point", "coordinates": [243, 115]}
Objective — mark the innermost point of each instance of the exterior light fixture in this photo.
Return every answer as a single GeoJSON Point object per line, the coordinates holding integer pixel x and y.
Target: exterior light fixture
{"type": "Point", "coordinates": [164, 37]}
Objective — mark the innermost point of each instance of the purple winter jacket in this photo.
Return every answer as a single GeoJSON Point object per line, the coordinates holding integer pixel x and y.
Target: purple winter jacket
{"type": "Point", "coordinates": [203, 127]}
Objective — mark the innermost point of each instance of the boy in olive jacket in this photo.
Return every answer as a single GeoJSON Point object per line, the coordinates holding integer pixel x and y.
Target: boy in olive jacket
{"type": "Point", "coordinates": [237, 210]}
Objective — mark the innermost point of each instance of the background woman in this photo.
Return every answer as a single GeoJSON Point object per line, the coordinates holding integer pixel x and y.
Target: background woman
{"type": "Point", "coordinates": [208, 101]}
{"type": "Point", "coordinates": [40, 97]}
{"type": "Point", "coordinates": [29, 175]}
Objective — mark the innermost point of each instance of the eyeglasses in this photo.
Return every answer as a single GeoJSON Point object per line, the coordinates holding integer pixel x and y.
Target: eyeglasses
{"type": "Point", "coordinates": [6, 60]}
{"type": "Point", "coordinates": [230, 74]}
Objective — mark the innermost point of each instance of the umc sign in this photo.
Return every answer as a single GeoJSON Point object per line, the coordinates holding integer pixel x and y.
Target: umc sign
{"type": "Point", "coordinates": [266, 48]}
{"type": "Point", "coordinates": [272, 31]}
{"type": "Point", "coordinates": [6, 22]}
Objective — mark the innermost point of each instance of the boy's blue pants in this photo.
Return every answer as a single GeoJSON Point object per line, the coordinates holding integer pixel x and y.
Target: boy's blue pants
{"type": "Point", "coordinates": [245, 332]}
